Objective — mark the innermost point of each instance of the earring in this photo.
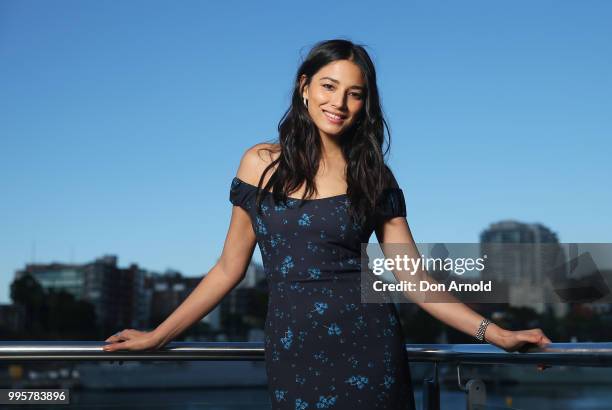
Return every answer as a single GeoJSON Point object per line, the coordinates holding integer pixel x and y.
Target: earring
{"type": "Point", "coordinates": [305, 102]}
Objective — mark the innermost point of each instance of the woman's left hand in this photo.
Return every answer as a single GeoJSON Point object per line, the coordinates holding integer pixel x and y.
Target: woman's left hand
{"type": "Point", "coordinates": [511, 341]}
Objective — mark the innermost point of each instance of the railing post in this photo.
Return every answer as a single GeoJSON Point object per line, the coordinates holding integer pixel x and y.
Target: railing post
{"type": "Point", "coordinates": [476, 392]}
{"type": "Point", "coordinates": [431, 391]}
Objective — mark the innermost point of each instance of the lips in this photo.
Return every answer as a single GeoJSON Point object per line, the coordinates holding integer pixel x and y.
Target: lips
{"type": "Point", "coordinates": [334, 117]}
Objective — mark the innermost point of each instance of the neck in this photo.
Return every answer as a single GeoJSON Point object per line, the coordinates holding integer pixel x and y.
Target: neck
{"type": "Point", "coordinates": [330, 148]}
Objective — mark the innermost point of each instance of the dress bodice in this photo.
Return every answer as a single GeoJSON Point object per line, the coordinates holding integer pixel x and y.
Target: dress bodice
{"type": "Point", "coordinates": [294, 234]}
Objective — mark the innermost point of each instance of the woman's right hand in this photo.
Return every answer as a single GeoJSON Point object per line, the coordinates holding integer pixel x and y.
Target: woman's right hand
{"type": "Point", "coordinates": [132, 339]}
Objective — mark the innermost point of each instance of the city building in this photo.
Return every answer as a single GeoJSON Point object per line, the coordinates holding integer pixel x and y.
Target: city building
{"type": "Point", "coordinates": [520, 257]}
{"type": "Point", "coordinates": [117, 294]}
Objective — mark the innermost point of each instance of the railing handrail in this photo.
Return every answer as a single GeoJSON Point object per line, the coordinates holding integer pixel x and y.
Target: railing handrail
{"type": "Point", "coordinates": [572, 354]}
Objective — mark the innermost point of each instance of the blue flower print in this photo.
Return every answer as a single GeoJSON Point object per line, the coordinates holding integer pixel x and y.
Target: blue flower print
{"type": "Point", "coordinates": [389, 380]}
{"type": "Point", "coordinates": [327, 292]}
{"type": "Point", "coordinates": [326, 402]}
{"type": "Point", "coordinates": [260, 227]}
{"type": "Point", "coordinates": [280, 208]}
{"type": "Point", "coordinates": [280, 394]}
{"type": "Point", "coordinates": [333, 329]}
{"type": "Point", "coordinates": [350, 307]}
{"type": "Point", "coordinates": [321, 356]}
{"type": "Point", "coordinates": [277, 239]}
{"type": "Point", "coordinates": [305, 220]}
{"type": "Point", "coordinates": [387, 359]}
{"type": "Point", "coordinates": [297, 287]}
{"type": "Point", "coordinates": [319, 307]}
{"type": "Point", "coordinates": [265, 209]}
{"type": "Point", "coordinates": [286, 265]}
{"type": "Point", "coordinates": [300, 404]}
{"type": "Point", "coordinates": [358, 381]}
{"type": "Point", "coordinates": [312, 247]}
{"type": "Point", "coordinates": [287, 339]}
{"type": "Point", "coordinates": [342, 231]}
{"type": "Point", "coordinates": [315, 273]}
{"type": "Point", "coordinates": [354, 362]}
{"type": "Point", "coordinates": [360, 324]}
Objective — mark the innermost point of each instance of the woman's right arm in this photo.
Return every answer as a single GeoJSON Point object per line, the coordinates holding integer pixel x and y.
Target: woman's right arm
{"type": "Point", "coordinates": [221, 279]}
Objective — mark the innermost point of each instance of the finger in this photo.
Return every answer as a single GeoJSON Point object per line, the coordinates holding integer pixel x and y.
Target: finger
{"type": "Point", "coordinates": [115, 346]}
{"type": "Point", "coordinates": [535, 338]}
{"type": "Point", "coordinates": [110, 348]}
{"type": "Point", "coordinates": [544, 339]}
{"type": "Point", "coordinates": [117, 336]}
{"type": "Point", "coordinates": [544, 342]}
{"type": "Point", "coordinates": [540, 332]}
{"type": "Point", "coordinates": [527, 337]}
{"type": "Point", "coordinates": [126, 345]}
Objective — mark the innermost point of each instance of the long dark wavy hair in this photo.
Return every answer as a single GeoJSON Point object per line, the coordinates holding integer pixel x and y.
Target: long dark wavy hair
{"type": "Point", "coordinates": [361, 144]}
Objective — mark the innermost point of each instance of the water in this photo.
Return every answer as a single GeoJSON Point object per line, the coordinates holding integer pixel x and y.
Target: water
{"type": "Point", "coordinates": [557, 388]}
{"type": "Point", "coordinates": [515, 397]}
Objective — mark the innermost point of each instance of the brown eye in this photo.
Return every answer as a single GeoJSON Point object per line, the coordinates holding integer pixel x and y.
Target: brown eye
{"type": "Point", "coordinates": [328, 85]}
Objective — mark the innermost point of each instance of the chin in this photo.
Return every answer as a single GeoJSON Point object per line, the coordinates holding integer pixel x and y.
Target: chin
{"type": "Point", "coordinates": [332, 132]}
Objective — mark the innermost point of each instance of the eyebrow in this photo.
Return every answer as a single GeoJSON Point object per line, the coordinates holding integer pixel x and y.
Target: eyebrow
{"type": "Point", "coordinates": [338, 82]}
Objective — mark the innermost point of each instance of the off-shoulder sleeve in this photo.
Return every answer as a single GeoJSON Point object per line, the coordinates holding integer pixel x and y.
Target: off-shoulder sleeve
{"type": "Point", "coordinates": [392, 203]}
{"type": "Point", "coordinates": [241, 193]}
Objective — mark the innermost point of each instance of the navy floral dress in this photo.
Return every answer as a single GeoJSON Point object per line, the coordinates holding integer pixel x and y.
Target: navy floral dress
{"type": "Point", "coordinates": [324, 349]}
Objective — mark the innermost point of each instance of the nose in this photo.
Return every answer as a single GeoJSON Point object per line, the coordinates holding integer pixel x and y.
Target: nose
{"type": "Point", "coordinates": [338, 100]}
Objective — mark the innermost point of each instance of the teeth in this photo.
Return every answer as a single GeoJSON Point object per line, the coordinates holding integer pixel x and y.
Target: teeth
{"type": "Point", "coordinates": [335, 117]}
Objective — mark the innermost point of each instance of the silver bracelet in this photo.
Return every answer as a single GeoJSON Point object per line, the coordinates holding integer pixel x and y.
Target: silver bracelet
{"type": "Point", "coordinates": [482, 328]}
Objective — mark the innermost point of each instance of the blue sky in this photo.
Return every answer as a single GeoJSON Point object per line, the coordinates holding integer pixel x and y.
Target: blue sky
{"type": "Point", "coordinates": [123, 123]}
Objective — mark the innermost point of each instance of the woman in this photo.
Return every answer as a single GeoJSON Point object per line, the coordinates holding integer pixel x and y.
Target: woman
{"type": "Point", "coordinates": [309, 201]}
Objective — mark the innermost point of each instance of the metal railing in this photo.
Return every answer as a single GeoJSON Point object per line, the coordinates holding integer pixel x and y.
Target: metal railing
{"type": "Point", "coordinates": [571, 354]}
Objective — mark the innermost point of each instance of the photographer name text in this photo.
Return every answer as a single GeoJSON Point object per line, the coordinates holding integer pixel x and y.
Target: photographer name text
{"type": "Point", "coordinates": [425, 286]}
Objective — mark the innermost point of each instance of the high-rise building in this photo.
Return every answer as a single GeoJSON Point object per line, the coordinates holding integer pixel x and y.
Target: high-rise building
{"type": "Point", "coordinates": [117, 294]}
{"type": "Point", "coordinates": [519, 256]}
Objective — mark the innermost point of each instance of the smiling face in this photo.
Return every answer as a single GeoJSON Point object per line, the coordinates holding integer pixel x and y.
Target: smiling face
{"type": "Point", "coordinates": [335, 96]}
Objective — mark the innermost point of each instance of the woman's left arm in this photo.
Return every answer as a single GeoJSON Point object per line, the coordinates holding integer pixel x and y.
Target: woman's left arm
{"type": "Point", "coordinates": [451, 311]}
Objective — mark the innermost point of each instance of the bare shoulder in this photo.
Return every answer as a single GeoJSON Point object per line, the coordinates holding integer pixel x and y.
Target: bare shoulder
{"type": "Point", "coordinates": [254, 161]}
